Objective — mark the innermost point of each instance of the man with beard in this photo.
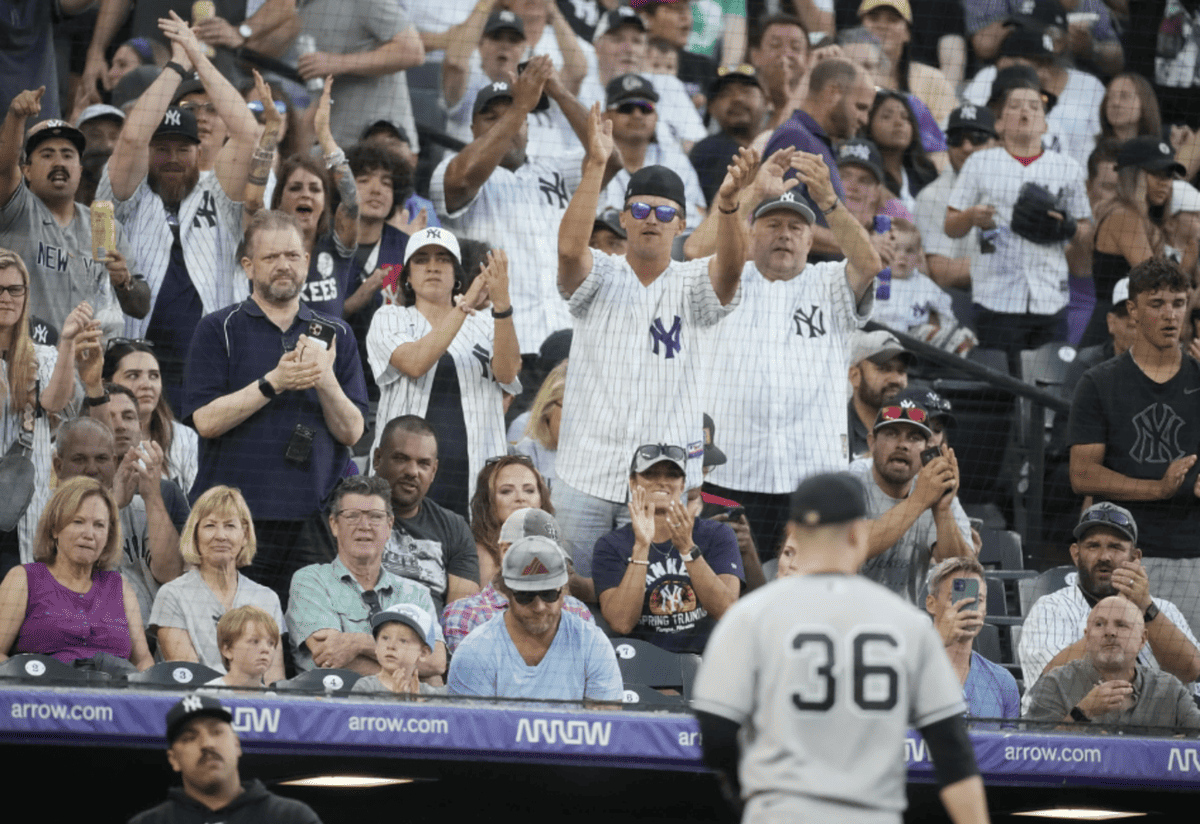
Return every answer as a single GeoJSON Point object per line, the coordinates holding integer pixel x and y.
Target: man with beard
{"type": "Point", "coordinates": [916, 523]}
{"type": "Point", "coordinates": [878, 372]}
{"type": "Point", "coordinates": [277, 427]}
{"type": "Point", "coordinates": [839, 99]}
{"type": "Point", "coordinates": [1107, 562]}
{"type": "Point", "coordinates": [737, 102]}
{"type": "Point", "coordinates": [42, 223]}
{"type": "Point", "coordinates": [185, 225]}
{"type": "Point", "coordinates": [203, 748]}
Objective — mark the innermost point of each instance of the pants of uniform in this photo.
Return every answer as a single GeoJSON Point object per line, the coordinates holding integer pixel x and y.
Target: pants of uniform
{"type": "Point", "coordinates": [585, 519]}
{"type": "Point", "coordinates": [1177, 580]}
{"type": "Point", "coordinates": [1013, 333]}
{"type": "Point", "coordinates": [781, 808]}
{"type": "Point", "coordinates": [766, 512]}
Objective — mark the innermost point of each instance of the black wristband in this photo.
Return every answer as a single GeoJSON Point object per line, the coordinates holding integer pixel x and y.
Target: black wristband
{"type": "Point", "coordinates": [1151, 613]}
{"type": "Point", "coordinates": [89, 401]}
{"type": "Point", "coordinates": [175, 67]}
{"type": "Point", "coordinates": [831, 209]}
{"type": "Point", "coordinates": [266, 388]}
{"type": "Point", "coordinates": [1077, 714]}
{"type": "Point", "coordinates": [732, 211]}
{"type": "Point", "coordinates": [507, 313]}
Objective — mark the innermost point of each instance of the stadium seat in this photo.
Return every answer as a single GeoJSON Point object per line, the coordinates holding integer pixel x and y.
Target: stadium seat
{"type": "Point", "coordinates": [1050, 581]}
{"type": "Point", "coordinates": [987, 644]}
{"type": "Point", "coordinates": [33, 667]}
{"type": "Point", "coordinates": [640, 696]}
{"type": "Point", "coordinates": [643, 663]}
{"type": "Point", "coordinates": [327, 681]}
{"type": "Point", "coordinates": [178, 674]}
{"type": "Point", "coordinates": [1001, 550]}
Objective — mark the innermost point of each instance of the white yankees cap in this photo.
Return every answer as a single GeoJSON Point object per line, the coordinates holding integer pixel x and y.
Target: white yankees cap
{"type": "Point", "coordinates": [529, 521]}
{"type": "Point", "coordinates": [432, 236]}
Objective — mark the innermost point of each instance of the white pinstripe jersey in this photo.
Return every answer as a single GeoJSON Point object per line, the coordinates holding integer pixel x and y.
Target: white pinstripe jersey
{"type": "Point", "coordinates": [776, 378]}
{"type": "Point", "coordinates": [520, 212]}
{"type": "Point", "coordinates": [825, 673]}
{"type": "Point", "coordinates": [471, 349]}
{"type": "Point", "coordinates": [1058, 619]}
{"type": "Point", "coordinates": [634, 376]}
{"type": "Point", "coordinates": [1020, 276]}
{"type": "Point", "coordinates": [210, 227]}
{"type": "Point", "coordinates": [47, 358]}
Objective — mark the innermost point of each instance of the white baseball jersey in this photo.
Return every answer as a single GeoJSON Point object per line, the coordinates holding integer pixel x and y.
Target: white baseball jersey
{"type": "Point", "coordinates": [776, 378]}
{"type": "Point", "coordinates": [1073, 123]}
{"type": "Point", "coordinates": [825, 673]}
{"type": "Point", "coordinates": [471, 349]}
{"type": "Point", "coordinates": [911, 302]}
{"type": "Point", "coordinates": [930, 217]}
{"type": "Point", "coordinates": [659, 154]}
{"type": "Point", "coordinates": [42, 455]}
{"type": "Point", "coordinates": [183, 458]}
{"type": "Point", "coordinates": [520, 212]}
{"type": "Point", "coordinates": [1021, 276]}
{"type": "Point", "coordinates": [210, 227]}
{"type": "Point", "coordinates": [634, 376]}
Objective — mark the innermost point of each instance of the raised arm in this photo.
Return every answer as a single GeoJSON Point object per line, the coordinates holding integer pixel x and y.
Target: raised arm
{"type": "Point", "coordinates": [574, 256]}
{"type": "Point", "coordinates": [25, 105]}
{"type": "Point", "coordinates": [401, 52]}
{"type": "Point", "coordinates": [471, 168]}
{"type": "Point", "coordinates": [621, 605]}
{"type": "Point", "coordinates": [57, 393]}
{"type": "Point", "coordinates": [112, 13]}
{"type": "Point", "coordinates": [273, 28]}
{"type": "Point", "coordinates": [345, 220]}
{"type": "Point", "coordinates": [506, 354]}
{"type": "Point", "coordinates": [577, 118]}
{"type": "Point", "coordinates": [862, 260]}
{"type": "Point", "coordinates": [725, 269]}
{"type": "Point", "coordinates": [233, 161]}
{"type": "Point", "coordinates": [263, 159]}
{"type": "Point", "coordinates": [460, 46]}
{"type": "Point", "coordinates": [574, 67]}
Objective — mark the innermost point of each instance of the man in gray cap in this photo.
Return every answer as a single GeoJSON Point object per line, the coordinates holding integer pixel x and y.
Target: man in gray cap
{"type": "Point", "coordinates": [465, 614]}
{"type": "Point", "coordinates": [499, 39]}
{"type": "Point", "coordinates": [635, 356]}
{"type": "Point", "coordinates": [204, 749]}
{"type": "Point", "coordinates": [878, 372]}
{"type": "Point", "coordinates": [795, 727]}
{"type": "Point", "coordinates": [520, 654]}
{"type": "Point", "coordinates": [100, 125]}
{"type": "Point", "coordinates": [1107, 562]}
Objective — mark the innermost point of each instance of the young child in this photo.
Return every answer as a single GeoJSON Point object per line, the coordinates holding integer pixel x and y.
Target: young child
{"type": "Point", "coordinates": [403, 639]}
{"type": "Point", "coordinates": [247, 638]}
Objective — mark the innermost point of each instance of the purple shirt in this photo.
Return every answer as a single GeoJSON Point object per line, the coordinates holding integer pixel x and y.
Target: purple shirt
{"type": "Point", "coordinates": [70, 625]}
{"type": "Point", "coordinates": [801, 132]}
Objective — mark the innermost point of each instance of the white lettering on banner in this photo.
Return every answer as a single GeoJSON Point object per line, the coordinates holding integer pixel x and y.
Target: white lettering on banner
{"type": "Point", "coordinates": [1081, 755]}
{"type": "Point", "coordinates": [63, 712]}
{"type": "Point", "coordinates": [248, 719]}
{"type": "Point", "coordinates": [689, 739]}
{"type": "Point", "coordinates": [1188, 760]}
{"type": "Point", "coordinates": [915, 750]}
{"type": "Point", "coordinates": [554, 730]}
{"type": "Point", "coordinates": [421, 726]}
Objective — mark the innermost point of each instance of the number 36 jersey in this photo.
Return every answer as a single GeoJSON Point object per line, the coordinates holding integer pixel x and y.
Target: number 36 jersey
{"type": "Point", "coordinates": [825, 674]}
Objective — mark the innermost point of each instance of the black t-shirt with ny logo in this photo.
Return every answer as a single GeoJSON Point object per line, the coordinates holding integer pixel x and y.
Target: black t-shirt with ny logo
{"type": "Point", "coordinates": [1145, 426]}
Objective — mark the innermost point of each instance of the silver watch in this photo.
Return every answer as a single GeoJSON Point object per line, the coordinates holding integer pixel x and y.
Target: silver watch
{"type": "Point", "coordinates": [245, 31]}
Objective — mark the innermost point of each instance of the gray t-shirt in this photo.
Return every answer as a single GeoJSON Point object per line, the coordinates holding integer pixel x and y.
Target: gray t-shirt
{"type": "Point", "coordinates": [62, 271]}
{"type": "Point", "coordinates": [1161, 700]}
{"type": "Point", "coordinates": [371, 684]}
{"type": "Point", "coordinates": [431, 546]}
{"type": "Point", "coordinates": [187, 603]}
{"type": "Point", "coordinates": [904, 566]}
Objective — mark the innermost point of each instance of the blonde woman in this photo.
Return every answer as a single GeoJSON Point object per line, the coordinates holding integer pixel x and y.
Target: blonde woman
{"type": "Point", "coordinates": [540, 441]}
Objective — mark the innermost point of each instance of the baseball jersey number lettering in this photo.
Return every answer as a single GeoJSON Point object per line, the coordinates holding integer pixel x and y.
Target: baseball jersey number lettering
{"type": "Point", "coordinates": [876, 686]}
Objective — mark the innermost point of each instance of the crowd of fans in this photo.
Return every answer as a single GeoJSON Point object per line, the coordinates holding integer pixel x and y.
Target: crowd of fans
{"type": "Point", "coordinates": [394, 336]}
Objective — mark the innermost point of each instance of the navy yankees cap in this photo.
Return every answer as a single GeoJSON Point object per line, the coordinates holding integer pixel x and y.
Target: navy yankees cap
{"type": "Point", "coordinates": [177, 121]}
{"type": "Point", "coordinates": [831, 498]}
{"type": "Point", "coordinates": [48, 129]}
{"type": "Point", "coordinates": [190, 85]}
{"type": "Point", "coordinates": [625, 88]}
{"type": "Point", "coordinates": [1151, 153]}
{"type": "Point", "coordinates": [193, 706]}
{"type": "Point", "coordinates": [909, 411]}
{"type": "Point", "coordinates": [970, 116]}
{"type": "Point", "coordinates": [613, 20]}
{"type": "Point", "coordinates": [503, 20]}
{"type": "Point", "coordinates": [388, 126]}
{"type": "Point", "coordinates": [657, 181]}
{"type": "Point", "coordinates": [864, 153]}
{"type": "Point", "coordinates": [788, 200]}
{"type": "Point", "coordinates": [500, 90]}
{"type": "Point", "coordinates": [1037, 14]}
{"type": "Point", "coordinates": [935, 404]}
{"type": "Point", "coordinates": [1027, 43]}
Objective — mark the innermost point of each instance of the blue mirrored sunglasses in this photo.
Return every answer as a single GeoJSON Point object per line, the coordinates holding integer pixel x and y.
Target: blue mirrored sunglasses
{"type": "Point", "coordinates": [641, 211]}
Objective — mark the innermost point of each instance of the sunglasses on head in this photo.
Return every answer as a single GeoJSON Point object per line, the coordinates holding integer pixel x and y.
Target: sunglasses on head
{"type": "Point", "coordinates": [641, 211]}
{"type": "Point", "coordinates": [644, 106]}
{"type": "Point", "coordinates": [134, 342]}
{"type": "Point", "coordinates": [1109, 516]}
{"type": "Point", "coordinates": [975, 137]}
{"type": "Point", "coordinates": [549, 596]}
{"type": "Point", "coordinates": [521, 459]}
{"type": "Point", "coordinates": [903, 413]}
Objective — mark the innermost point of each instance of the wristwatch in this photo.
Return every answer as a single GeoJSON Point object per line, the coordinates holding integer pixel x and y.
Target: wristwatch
{"type": "Point", "coordinates": [692, 554]}
{"type": "Point", "coordinates": [1151, 613]}
{"type": "Point", "coordinates": [245, 31]}
{"type": "Point", "coordinates": [267, 389]}
{"type": "Point", "coordinates": [1077, 714]}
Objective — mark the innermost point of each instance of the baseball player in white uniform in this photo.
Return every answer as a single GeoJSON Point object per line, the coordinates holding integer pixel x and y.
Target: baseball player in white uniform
{"type": "Point", "coordinates": [821, 674]}
{"type": "Point", "coordinates": [634, 356]}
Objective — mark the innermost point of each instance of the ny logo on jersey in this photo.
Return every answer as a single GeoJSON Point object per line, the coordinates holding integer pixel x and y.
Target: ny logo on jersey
{"type": "Point", "coordinates": [207, 210]}
{"type": "Point", "coordinates": [485, 360]}
{"type": "Point", "coordinates": [555, 188]}
{"type": "Point", "coordinates": [669, 338]}
{"type": "Point", "coordinates": [39, 332]}
{"type": "Point", "coordinates": [813, 319]}
{"type": "Point", "coordinates": [672, 598]}
{"type": "Point", "coordinates": [171, 118]}
{"type": "Point", "coordinates": [1157, 435]}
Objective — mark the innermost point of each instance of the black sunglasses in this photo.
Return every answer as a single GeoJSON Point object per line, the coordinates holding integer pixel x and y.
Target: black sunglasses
{"type": "Point", "coordinates": [1110, 516]}
{"type": "Point", "coordinates": [547, 595]}
{"type": "Point", "coordinates": [134, 342]}
{"type": "Point", "coordinates": [371, 599]}
{"type": "Point", "coordinates": [977, 137]}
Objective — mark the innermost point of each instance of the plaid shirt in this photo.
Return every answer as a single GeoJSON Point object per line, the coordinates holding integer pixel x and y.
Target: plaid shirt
{"type": "Point", "coordinates": [462, 616]}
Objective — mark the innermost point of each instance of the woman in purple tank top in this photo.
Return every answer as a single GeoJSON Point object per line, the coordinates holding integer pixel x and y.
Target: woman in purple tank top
{"type": "Point", "coordinates": [71, 602]}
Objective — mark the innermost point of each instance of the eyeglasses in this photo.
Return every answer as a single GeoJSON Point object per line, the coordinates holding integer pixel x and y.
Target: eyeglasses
{"type": "Point", "coordinates": [17, 290]}
{"type": "Point", "coordinates": [256, 106]}
{"type": "Point", "coordinates": [548, 595]}
{"type": "Point", "coordinates": [641, 211]}
{"type": "Point", "coordinates": [375, 517]}
{"type": "Point", "coordinates": [1106, 516]}
{"type": "Point", "coordinates": [371, 599]}
{"type": "Point", "coordinates": [976, 137]}
{"type": "Point", "coordinates": [643, 106]}
{"type": "Point", "coordinates": [903, 413]}
{"type": "Point", "coordinates": [134, 342]}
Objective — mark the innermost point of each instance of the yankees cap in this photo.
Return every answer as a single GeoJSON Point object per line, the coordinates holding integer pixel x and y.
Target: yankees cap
{"type": "Point", "coordinates": [177, 121]}
{"type": "Point", "coordinates": [529, 521]}
{"type": "Point", "coordinates": [534, 563]}
{"type": "Point", "coordinates": [1037, 14]}
{"type": "Point", "coordinates": [969, 116]}
{"type": "Point", "coordinates": [1151, 153]}
{"type": "Point", "coordinates": [98, 110]}
{"type": "Point", "coordinates": [433, 236]}
{"type": "Point", "coordinates": [190, 85]}
{"type": "Point", "coordinates": [411, 616]}
{"type": "Point", "coordinates": [863, 153]}
{"type": "Point", "coordinates": [503, 20]}
{"type": "Point", "coordinates": [500, 90]}
{"type": "Point", "coordinates": [831, 498]}
{"type": "Point", "coordinates": [629, 87]}
{"type": "Point", "coordinates": [47, 129]}
{"type": "Point", "coordinates": [908, 411]}
{"type": "Point", "coordinates": [649, 454]}
{"type": "Point", "coordinates": [610, 219]}
{"type": "Point", "coordinates": [656, 181]}
{"type": "Point", "coordinates": [788, 200]}
{"type": "Point", "coordinates": [193, 706]}
{"type": "Point", "coordinates": [613, 20]}
{"type": "Point", "coordinates": [879, 347]}
{"type": "Point", "coordinates": [935, 404]}
{"type": "Point", "coordinates": [1027, 43]}
{"type": "Point", "coordinates": [1107, 514]}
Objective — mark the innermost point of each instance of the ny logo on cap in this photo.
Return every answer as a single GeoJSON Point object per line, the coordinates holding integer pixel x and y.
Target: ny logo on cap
{"type": "Point", "coordinates": [171, 118]}
{"type": "Point", "coordinates": [54, 124]}
{"type": "Point", "coordinates": [535, 567]}
{"type": "Point", "coordinates": [857, 150]}
{"type": "Point", "coordinates": [1028, 6]}
{"type": "Point", "coordinates": [908, 404]}
{"type": "Point", "coordinates": [787, 197]}
{"type": "Point", "coordinates": [434, 233]}
{"type": "Point", "coordinates": [507, 16]}
{"type": "Point", "coordinates": [967, 113]}
{"type": "Point", "coordinates": [631, 82]}
{"type": "Point", "coordinates": [1163, 148]}
{"type": "Point", "coordinates": [500, 86]}
{"type": "Point", "coordinates": [192, 703]}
